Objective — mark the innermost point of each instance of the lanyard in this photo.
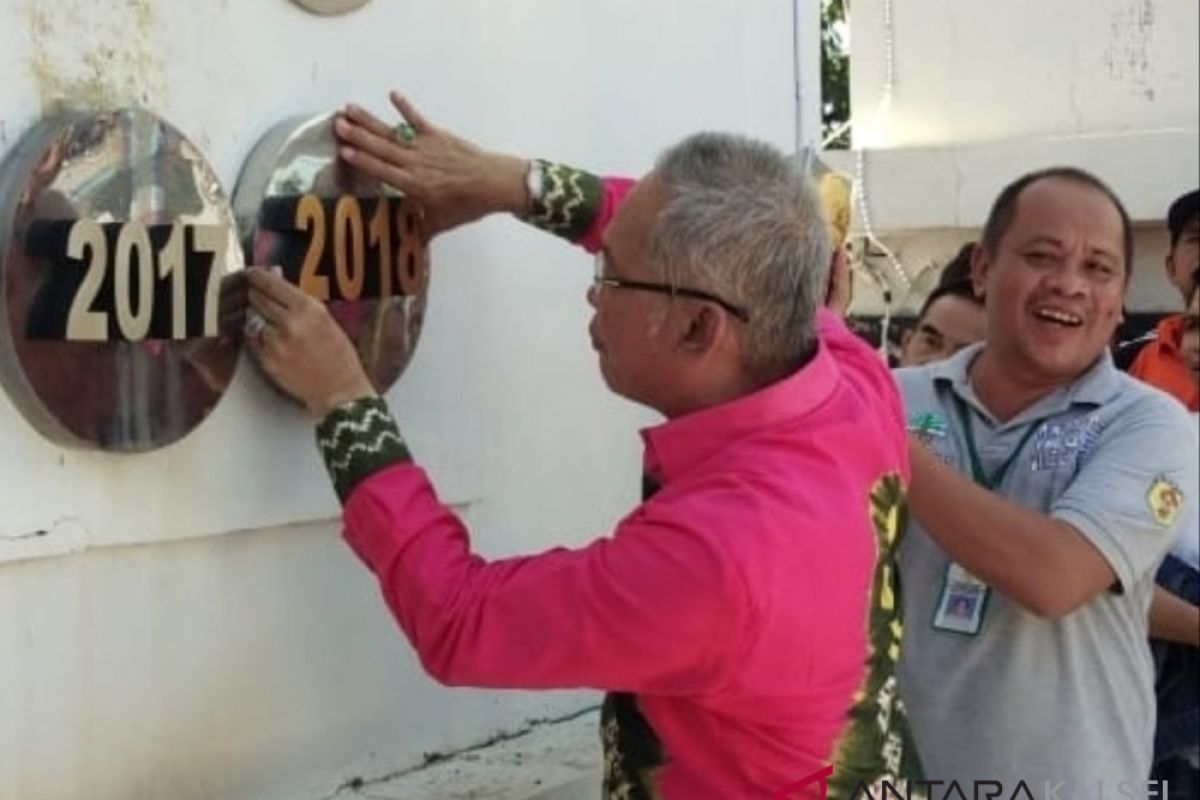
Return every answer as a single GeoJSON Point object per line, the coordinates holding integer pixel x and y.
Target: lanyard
{"type": "Point", "coordinates": [977, 472]}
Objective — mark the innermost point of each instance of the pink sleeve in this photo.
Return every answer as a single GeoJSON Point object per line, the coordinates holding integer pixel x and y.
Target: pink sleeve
{"type": "Point", "coordinates": [612, 193]}
{"type": "Point", "coordinates": [654, 608]}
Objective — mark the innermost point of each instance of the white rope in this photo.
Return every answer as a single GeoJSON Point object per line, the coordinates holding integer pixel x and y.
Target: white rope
{"type": "Point", "coordinates": [859, 195]}
{"type": "Point", "coordinates": [860, 177]}
{"type": "Point", "coordinates": [889, 51]}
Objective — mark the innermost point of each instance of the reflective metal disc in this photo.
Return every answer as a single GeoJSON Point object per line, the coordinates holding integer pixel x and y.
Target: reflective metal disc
{"type": "Point", "coordinates": [344, 238]}
{"type": "Point", "coordinates": [120, 266]}
{"type": "Point", "coordinates": [332, 7]}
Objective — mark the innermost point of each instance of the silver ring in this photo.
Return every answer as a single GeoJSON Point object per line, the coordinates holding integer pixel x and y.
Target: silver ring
{"type": "Point", "coordinates": [255, 324]}
{"type": "Point", "coordinates": [404, 133]}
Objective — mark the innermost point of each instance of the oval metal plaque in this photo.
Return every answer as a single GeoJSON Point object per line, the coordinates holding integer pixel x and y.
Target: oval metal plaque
{"type": "Point", "coordinates": [119, 260]}
{"type": "Point", "coordinates": [345, 239]}
{"type": "Point", "coordinates": [331, 7]}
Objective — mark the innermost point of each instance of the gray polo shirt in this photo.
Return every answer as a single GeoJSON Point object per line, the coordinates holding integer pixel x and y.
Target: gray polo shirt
{"type": "Point", "coordinates": [995, 692]}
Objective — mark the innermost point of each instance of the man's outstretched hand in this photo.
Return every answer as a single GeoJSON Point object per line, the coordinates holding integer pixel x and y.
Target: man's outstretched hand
{"type": "Point", "coordinates": [455, 181]}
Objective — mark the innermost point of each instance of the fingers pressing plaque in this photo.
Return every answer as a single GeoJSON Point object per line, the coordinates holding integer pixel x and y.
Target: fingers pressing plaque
{"type": "Point", "coordinates": [343, 238]}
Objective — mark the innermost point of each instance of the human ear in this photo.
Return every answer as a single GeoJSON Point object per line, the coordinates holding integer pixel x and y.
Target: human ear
{"type": "Point", "coordinates": [704, 329]}
{"type": "Point", "coordinates": [981, 266]}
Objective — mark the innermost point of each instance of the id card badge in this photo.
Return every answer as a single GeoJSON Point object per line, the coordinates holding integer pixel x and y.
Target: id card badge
{"type": "Point", "coordinates": [963, 602]}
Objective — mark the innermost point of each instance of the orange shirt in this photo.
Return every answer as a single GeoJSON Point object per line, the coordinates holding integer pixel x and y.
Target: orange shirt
{"type": "Point", "coordinates": [1161, 364]}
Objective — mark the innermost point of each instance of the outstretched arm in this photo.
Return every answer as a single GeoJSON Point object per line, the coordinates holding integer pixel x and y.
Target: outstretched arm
{"type": "Point", "coordinates": [658, 607]}
{"type": "Point", "coordinates": [458, 182]}
{"type": "Point", "coordinates": [1107, 530]}
{"type": "Point", "coordinates": [1042, 563]}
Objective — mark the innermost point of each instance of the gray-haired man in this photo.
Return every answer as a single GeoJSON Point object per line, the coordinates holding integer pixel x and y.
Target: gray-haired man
{"type": "Point", "coordinates": [743, 618]}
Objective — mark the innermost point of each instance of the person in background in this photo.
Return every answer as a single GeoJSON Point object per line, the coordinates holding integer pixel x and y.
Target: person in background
{"type": "Point", "coordinates": [740, 617]}
{"type": "Point", "coordinates": [834, 190]}
{"type": "Point", "coordinates": [951, 318]}
{"type": "Point", "coordinates": [958, 268]}
{"type": "Point", "coordinates": [1047, 486]}
{"type": "Point", "coordinates": [1167, 359]}
{"type": "Point", "coordinates": [1189, 337]}
{"type": "Point", "coordinates": [1175, 617]}
{"type": "Point", "coordinates": [1156, 358]}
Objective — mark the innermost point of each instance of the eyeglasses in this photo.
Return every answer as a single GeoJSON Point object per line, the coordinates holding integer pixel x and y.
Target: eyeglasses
{"type": "Point", "coordinates": [600, 280]}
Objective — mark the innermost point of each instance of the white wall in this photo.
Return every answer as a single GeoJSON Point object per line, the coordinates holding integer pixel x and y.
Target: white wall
{"type": "Point", "coordinates": [189, 626]}
{"type": "Point", "coordinates": [982, 92]}
{"type": "Point", "coordinates": [978, 70]}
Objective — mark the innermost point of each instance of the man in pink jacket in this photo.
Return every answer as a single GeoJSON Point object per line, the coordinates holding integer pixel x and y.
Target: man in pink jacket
{"type": "Point", "coordinates": [744, 618]}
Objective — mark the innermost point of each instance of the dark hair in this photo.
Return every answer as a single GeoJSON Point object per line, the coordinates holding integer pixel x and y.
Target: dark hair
{"type": "Point", "coordinates": [956, 288]}
{"type": "Point", "coordinates": [1181, 212]}
{"type": "Point", "coordinates": [1005, 208]}
{"type": "Point", "coordinates": [959, 267]}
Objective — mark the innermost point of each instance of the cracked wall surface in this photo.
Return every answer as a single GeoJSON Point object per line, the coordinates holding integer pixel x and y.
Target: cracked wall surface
{"type": "Point", "coordinates": [975, 70]}
{"type": "Point", "coordinates": [96, 55]}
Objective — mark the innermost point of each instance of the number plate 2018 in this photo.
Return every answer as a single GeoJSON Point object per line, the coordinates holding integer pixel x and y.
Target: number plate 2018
{"type": "Point", "coordinates": [342, 236]}
{"type": "Point", "coordinates": [346, 248]}
{"type": "Point", "coordinates": [125, 281]}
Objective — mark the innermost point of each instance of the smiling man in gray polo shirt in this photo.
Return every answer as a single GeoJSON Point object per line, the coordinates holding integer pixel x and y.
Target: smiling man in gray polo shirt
{"type": "Point", "coordinates": [1046, 489]}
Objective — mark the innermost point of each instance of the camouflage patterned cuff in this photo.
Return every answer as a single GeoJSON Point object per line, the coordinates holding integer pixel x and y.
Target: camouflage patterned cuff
{"type": "Point", "coordinates": [569, 203]}
{"type": "Point", "coordinates": [357, 440]}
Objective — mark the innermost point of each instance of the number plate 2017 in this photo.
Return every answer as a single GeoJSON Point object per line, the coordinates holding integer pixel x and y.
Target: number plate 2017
{"type": "Point", "coordinates": [125, 281]}
{"type": "Point", "coordinates": [346, 248]}
{"type": "Point", "coordinates": [121, 281]}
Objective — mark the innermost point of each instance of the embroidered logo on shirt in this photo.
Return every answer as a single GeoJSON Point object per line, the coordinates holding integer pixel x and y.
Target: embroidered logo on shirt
{"type": "Point", "coordinates": [927, 426]}
{"type": "Point", "coordinates": [632, 750]}
{"type": "Point", "coordinates": [1164, 499]}
{"type": "Point", "coordinates": [876, 744]}
{"type": "Point", "coordinates": [932, 430]}
{"type": "Point", "coordinates": [1058, 445]}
